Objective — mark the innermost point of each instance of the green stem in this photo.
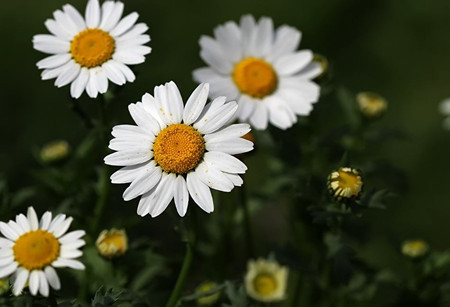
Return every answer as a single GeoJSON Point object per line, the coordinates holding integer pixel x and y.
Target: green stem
{"type": "Point", "coordinates": [186, 266]}
{"type": "Point", "coordinates": [74, 106]}
{"type": "Point", "coordinates": [103, 191]}
{"type": "Point", "coordinates": [247, 223]}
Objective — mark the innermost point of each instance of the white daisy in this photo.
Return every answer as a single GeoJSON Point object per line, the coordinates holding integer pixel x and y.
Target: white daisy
{"type": "Point", "coordinates": [177, 151]}
{"type": "Point", "coordinates": [31, 250]}
{"type": "Point", "coordinates": [88, 52]}
{"type": "Point", "coordinates": [262, 70]}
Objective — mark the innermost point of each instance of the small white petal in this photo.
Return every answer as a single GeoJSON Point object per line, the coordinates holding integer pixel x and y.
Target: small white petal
{"type": "Point", "coordinates": [22, 221]}
{"type": "Point", "coordinates": [34, 282]}
{"type": "Point", "coordinates": [128, 157]}
{"type": "Point", "coordinates": [75, 16]}
{"type": "Point", "coordinates": [163, 194]}
{"type": "Point", "coordinates": [292, 63]}
{"type": "Point", "coordinates": [134, 32]}
{"type": "Point", "coordinates": [259, 118]}
{"type": "Point", "coordinates": [113, 73]}
{"type": "Point", "coordinates": [5, 243]}
{"type": "Point", "coordinates": [231, 146]}
{"type": "Point", "coordinates": [63, 227]}
{"type": "Point", "coordinates": [50, 44]}
{"type": "Point", "coordinates": [43, 284]}
{"type": "Point", "coordinates": [52, 277]}
{"type": "Point", "coordinates": [144, 183]}
{"type": "Point", "coordinates": [125, 24]}
{"type": "Point", "coordinates": [212, 53]}
{"type": "Point", "coordinates": [286, 41]}
{"type": "Point", "coordinates": [200, 192]}
{"type": "Point", "coordinates": [21, 279]}
{"type": "Point", "coordinates": [214, 119]}
{"type": "Point", "coordinates": [248, 32]}
{"type": "Point", "coordinates": [4, 261]}
{"type": "Point", "coordinates": [110, 20]}
{"type": "Point", "coordinates": [69, 74]}
{"type": "Point", "coordinates": [232, 131]}
{"type": "Point", "coordinates": [57, 222]}
{"type": "Point", "coordinates": [181, 195]}
{"type": "Point", "coordinates": [70, 263]}
{"type": "Point", "coordinates": [224, 162]}
{"type": "Point", "coordinates": [45, 220]}
{"type": "Point", "coordinates": [32, 218]}
{"type": "Point", "coordinates": [8, 270]}
{"type": "Point", "coordinates": [79, 84]}
{"type": "Point", "coordinates": [8, 232]}
{"type": "Point", "coordinates": [195, 103]}
{"type": "Point", "coordinates": [213, 178]}
{"type": "Point", "coordinates": [71, 236]}
{"type": "Point", "coordinates": [92, 14]}
{"type": "Point", "coordinates": [54, 28]}
{"type": "Point", "coordinates": [54, 61]}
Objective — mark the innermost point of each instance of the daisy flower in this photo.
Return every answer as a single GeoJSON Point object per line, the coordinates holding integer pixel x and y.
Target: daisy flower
{"type": "Point", "coordinates": [261, 69]}
{"type": "Point", "coordinates": [176, 151]}
{"type": "Point", "coordinates": [89, 51]}
{"type": "Point", "coordinates": [32, 249]}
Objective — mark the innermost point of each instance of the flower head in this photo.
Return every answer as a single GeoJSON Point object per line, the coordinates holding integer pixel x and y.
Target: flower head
{"type": "Point", "coordinates": [345, 183]}
{"type": "Point", "coordinates": [261, 69]}
{"type": "Point", "coordinates": [266, 280]}
{"type": "Point", "coordinates": [176, 151]}
{"type": "Point", "coordinates": [415, 248]}
{"type": "Point", "coordinates": [208, 299]}
{"type": "Point", "coordinates": [371, 105]}
{"type": "Point", "coordinates": [31, 249]}
{"type": "Point", "coordinates": [89, 51]}
{"type": "Point", "coordinates": [112, 243]}
{"type": "Point", "coordinates": [55, 151]}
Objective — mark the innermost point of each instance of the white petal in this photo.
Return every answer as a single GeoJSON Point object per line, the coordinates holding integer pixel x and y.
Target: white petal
{"type": "Point", "coordinates": [74, 244]}
{"type": "Point", "coordinates": [286, 41]}
{"type": "Point", "coordinates": [8, 270]}
{"type": "Point", "coordinates": [280, 114]}
{"type": "Point", "coordinates": [6, 251]}
{"type": "Point", "coordinates": [5, 243]}
{"type": "Point", "coordinates": [163, 194]}
{"type": "Point", "coordinates": [65, 21]}
{"type": "Point", "coordinates": [236, 179]}
{"type": "Point", "coordinates": [54, 61]}
{"type": "Point", "coordinates": [181, 195]}
{"type": "Point", "coordinates": [91, 86]}
{"type": "Point", "coordinates": [70, 263]}
{"type": "Point", "coordinates": [137, 30]}
{"type": "Point", "coordinates": [232, 131]}
{"type": "Point", "coordinates": [34, 282]}
{"type": "Point", "coordinates": [143, 118]}
{"type": "Point", "coordinates": [68, 75]}
{"type": "Point", "coordinates": [214, 119]}
{"type": "Point", "coordinates": [62, 229]}
{"type": "Point", "coordinates": [128, 131]}
{"type": "Point", "coordinates": [200, 192]}
{"type": "Point", "coordinates": [263, 36]}
{"type": "Point", "coordinates": [8, 232]}
{"type": "Point", "coordinates": [248, 27]}
{"type": "Point", "coordinates": [137, 142]}
{"type": "Point", "coordinates": [43, 284]}
{"type": "Point", "coordinates": [135, 41]}
{"type": "Point", "coordinates": [296, 101]}
{"type": "Point", "coordinates": [129, 173]}
{"type": "Point", "coordinates": [70, 253]}
{"type": "Point", "coordinates": [79, 84]}
{"type": "Point", "coordinates": [213, 178]}
{"type": "Point", "coordinates": [145, 203]}
{"type": "Point", "coordinates": [92, 15]}
{"type": "Point", "coordinates": [126, 71]}
{"type": "Point", "coordinates": [307, 89]}
{"type": "Point", "coordinates": [292, 63]}
{"type": "Point", "coordinates": [175, 106]}
{"type": "Point", "coordinates": [50, 44]}
{"type": "Point", "coordinates": [229, 38]}
{"type": "Point", "coordinates": [246, 107]}
{"type": "Point", "coordinates": [128, 57]}
{"type": "Point", "coordinates": [259, 118]}
{"type": "Point", "coordinates": [52, 277]}
{"type": "Point", "coordinates": [144, 183]}
{"type": "Point", "coordinates": [45, 220]}
{"type": "Point", "coordinates": [110, 19]}
{"type": "Point", "coordinates": [224, 162]}
{"type": "Point", "coordinates": [75, 16]}
{"type": "Point", "coordinates": [125, 24]}
{"type": "Point", "coordinates": [212, 53]}
{"type": "Point", "coordinates": [57, 30]}
{"type": "Point", "coordinates": [310, 71]}
{"type": "Point", "coordinates": [195, 103]}
{"type": "Point", "coordinates": [231, 146]}
{"type": "Point", "coordinates": [71, 236]}
{"type": "Point", "coordinates": [55, 72]}
{"type": "Point", "coordinates": [4, 261]}
{"type": "Point", "coordinates": [21, 279]}
{"type": "Point", "coordinates": [128, 157]}
{"type": "Point", "coordinates": [22, 221]}
{"type": "Point", "coordinates": [32, 218]}
{"type": "Point", "coordinates": [153, 107]}
{"type": "Point", "coordinates": [57, 223]}
{"type": "Point", "coordinates": [113, 73]}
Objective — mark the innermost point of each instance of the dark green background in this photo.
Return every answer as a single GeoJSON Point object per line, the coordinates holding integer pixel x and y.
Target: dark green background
{"type": "Point", "coordinates": [398, 48]}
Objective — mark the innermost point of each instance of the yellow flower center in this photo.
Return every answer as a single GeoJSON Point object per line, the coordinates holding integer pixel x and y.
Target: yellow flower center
{"type": "Point", "coordinates": [415, 248]}
{"type": "Point", "coordinates": [265, 284]}
{"type": "Point", "coordinates": [255, 77]}
{"type": "Point", "coordinates": [92, 47]}
{"type": "Point", "coordinates": [345, 182]}
{"type": "Point", "coordinates": [178, 148]}
{"type": "Point", "coordinates": [36, 249]}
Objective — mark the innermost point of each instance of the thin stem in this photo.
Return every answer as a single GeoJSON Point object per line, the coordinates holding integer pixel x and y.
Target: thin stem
{"type": "Point", "coordinates": [247, 223]}
{"type": "Point", "coordinates": [74, 106]}
{"type": "Point", "coordinates": [186, 266]}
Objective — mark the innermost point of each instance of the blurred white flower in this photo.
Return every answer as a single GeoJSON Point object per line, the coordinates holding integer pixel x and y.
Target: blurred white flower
{"type": "Point", "coordinates": [261, 69]}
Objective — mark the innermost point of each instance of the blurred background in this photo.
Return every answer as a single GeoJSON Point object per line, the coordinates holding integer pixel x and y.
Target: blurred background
{"type": "Point", "coordinates": [399, 49]}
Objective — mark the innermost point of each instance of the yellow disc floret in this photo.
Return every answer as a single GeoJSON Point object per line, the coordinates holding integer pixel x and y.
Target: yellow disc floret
{"type": "Point", "coordinates": [345, 183]}
{"type": "Point", "coordinates": [255, 77]}
{"type": "Point", "coordinates": [265, 284]}
{"type": "Point", "coordinates": [92, 47]}
{"type": "Point", "coordinates": [178, 148]}
{"type": "Point", "coordinates": [36, 249]}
